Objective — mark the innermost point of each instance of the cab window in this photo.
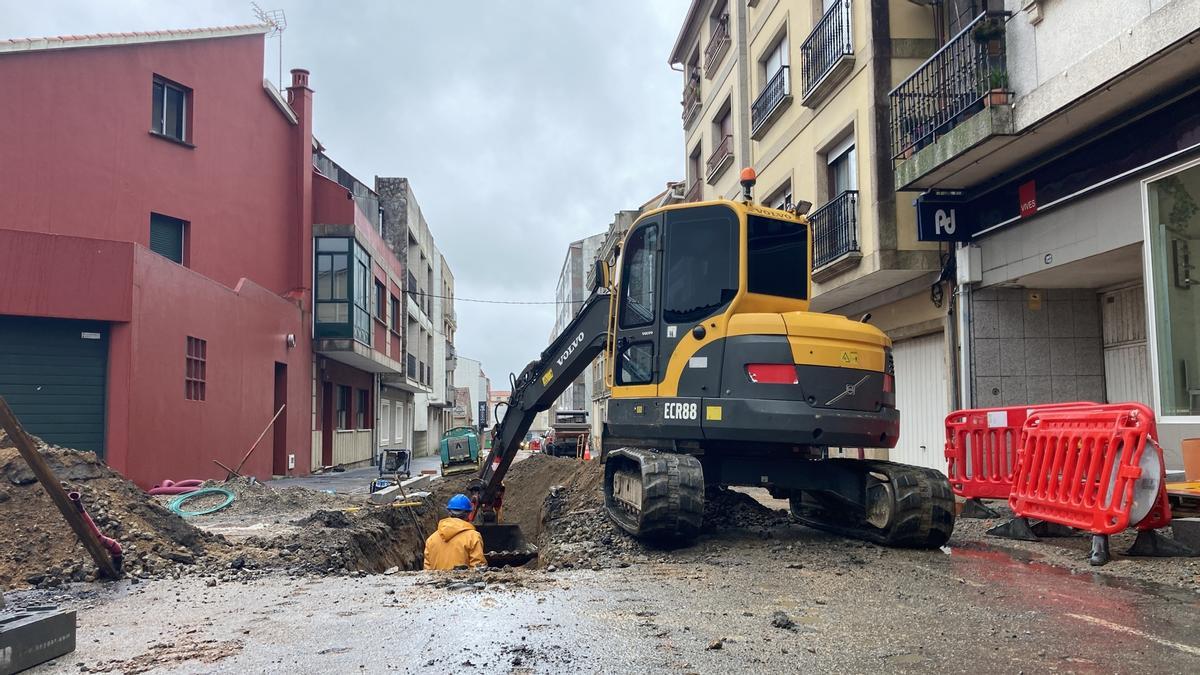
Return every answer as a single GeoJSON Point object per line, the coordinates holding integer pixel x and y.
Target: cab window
{"type": "Point", "coordinates": [701, 257]}
{"type": "Point", "coordinates": [637, 277]}
{"type": "Point", "coordinates": [777, 257]}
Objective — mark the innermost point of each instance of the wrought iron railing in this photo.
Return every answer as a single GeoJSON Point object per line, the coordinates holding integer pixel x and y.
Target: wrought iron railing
{"type": "Point", "coordinates": [835, 228]}
{"type": "Point", "coordinates": [691, 104]}
{"type": "Point", "coordinates": [772, 95]}
{"type": "Point", "coordinates": [950, 86]}
{"type": "Point", "coordinates": [716, 160]}
{"type": "Point", "coordinates": [718, 44]}
{"type": "Point", "coordinates": [830, 40]}
{"type": "Point", "coordinates": [693, 193]}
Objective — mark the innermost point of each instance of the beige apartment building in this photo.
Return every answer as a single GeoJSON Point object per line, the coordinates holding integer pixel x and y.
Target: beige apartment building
{"type": "Point", "coordinates": [798, 90]}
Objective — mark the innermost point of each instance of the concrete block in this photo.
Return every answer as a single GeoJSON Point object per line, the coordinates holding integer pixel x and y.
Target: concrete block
{"type": "Point", "coordinates": [1036, 321]}
{"type": "Point", "coordinates": [1089, 356]}
{"type": "Point", "coordinates": [983, 319]}
{"type": "Point", "coordinates": [985, 295]}
{"type": "Point", "coordinates": [1010, 319]}
{"type": "Point", "coordinates": [1010, 294]}
{"type": "Point", "coordinates": [988, 392]}
{"type": "Point", "coordinates": [986, 355]}
{"type": "Point", "coordinates": [1061, 318]}
{"type": "Point", "coordinates": [1062, 356]}
{"type": "Point", "coordinates": [385, 496]}
{"type": "Point", "coordinates": [416, 482]}
{"type": "Point", "coordinates": [1037, 356]}
{"type": "Point", "coordinates": [1012, 357]}
{"type": "Point", "coordinates": [1013, 391]}
{"type": "Point", "coordinates": [1063, 389]}
{"type": "Point", "coordinates": [1187, 532]}
{"type": "Point", "coordinates": [1039, 389]}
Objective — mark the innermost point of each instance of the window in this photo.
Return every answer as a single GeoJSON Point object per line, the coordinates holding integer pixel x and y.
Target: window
{"type": "Point", "coordinates": [781, 198]}
{"type": "Point", "coordinates": [343, 289]}
{"type": "Point", "coordinates": [398, 424]}
{"type": "Point", "coordinates": [343, 407]}
{"type": "Point", "coordinates": [638, 277]}
{"type": "Point", "coordinates": [380, 301]}
{"type": "Point", "coordinates": [361, 417]}
{"type": "Point", "coordinates": [169, 116]}
{"type": "Point", "coordinates": [843, 168]}
{"type": "Point", "coordinates": [395, 317]}
{"type": "Point", "coordinates": [776, 58]}
{"type": "Point", "coordinates": [777, 257]}
{"type": "Point", "coordinates": [386, 427]}
{"type": "Point", "coordinates": [636, 364]}
{"type": "Point", "coordinates": [701, 263]}
{"type": "Point", "coordinates": [1174, 203]}
{"type": "Point", "coordinates": [167, 236]}
{"type": "Point", "coordinates": [196, 370]}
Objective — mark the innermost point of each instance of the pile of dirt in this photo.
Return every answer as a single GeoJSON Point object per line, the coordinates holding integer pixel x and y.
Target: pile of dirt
{"type": "Point", "coordinates": [38, 548]}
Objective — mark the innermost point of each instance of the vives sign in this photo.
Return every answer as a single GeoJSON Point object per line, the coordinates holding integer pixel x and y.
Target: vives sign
{"type": "Point", "coordinates": [943, 216]}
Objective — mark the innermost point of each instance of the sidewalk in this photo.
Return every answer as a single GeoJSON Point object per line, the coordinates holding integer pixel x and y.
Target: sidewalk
{"type": "Point", "coordinates": [354, 481]}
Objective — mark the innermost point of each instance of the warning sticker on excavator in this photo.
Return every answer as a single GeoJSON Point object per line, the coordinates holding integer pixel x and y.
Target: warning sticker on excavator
{"type": "Point", "coordinates": [549, 375]}
{"type": "Point", "coordinates": [850, 358]}
{"type": "Point", "coordinates": [712, 413]}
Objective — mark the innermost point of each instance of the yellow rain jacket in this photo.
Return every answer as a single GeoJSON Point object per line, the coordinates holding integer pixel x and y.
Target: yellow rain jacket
{"type": "Point", "coordinates": [456, 543]}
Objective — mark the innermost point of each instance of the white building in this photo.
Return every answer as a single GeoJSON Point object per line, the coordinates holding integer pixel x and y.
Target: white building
{"type": "Point", "coordinates": [570, 294]}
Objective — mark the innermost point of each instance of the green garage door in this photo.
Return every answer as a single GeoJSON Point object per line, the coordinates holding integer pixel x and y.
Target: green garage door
{"type": "Point", "coordinates": [52, 373]}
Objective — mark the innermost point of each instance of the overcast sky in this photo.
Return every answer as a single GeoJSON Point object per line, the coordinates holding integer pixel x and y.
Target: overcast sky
{"type": "Point", "coordinates": [522, 124]}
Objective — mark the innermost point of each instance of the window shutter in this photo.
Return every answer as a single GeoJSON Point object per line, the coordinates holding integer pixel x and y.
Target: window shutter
{"type": "Point", "coordinates": [166, 237]}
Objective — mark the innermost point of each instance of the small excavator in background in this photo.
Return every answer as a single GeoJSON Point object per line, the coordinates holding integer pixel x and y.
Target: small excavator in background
{"type": "Point", "coordinates": [721, 376]}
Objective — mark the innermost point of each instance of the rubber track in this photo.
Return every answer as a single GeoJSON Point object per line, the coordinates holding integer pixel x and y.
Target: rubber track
{"type": "Point", "coordinates": [672, 494]}
{"type": "Point", "coordinates": [923, 515]}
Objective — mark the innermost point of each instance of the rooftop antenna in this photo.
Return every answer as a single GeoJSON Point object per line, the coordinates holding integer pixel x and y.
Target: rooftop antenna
{"type": "Point", "coordinates": [276, 21]}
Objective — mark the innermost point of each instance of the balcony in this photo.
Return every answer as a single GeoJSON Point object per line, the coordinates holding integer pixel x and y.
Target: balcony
{"type": "Point", "coordinates": [954, 108]}
{"type": "Point", "coordinates": [835, 236]}
{"type": "Point", "coordinates": [827, 54]}
{"type": "Point", "coordinates": [691, 104]}
{"type": "Point", "coordinates": [774, 99]}
{"type": "Point", "coordinates": [693, 193]}
{"type": "Point", "coordinates": [718, 45]}
{"type": "Point", "coordinates": [451, 355]}
{"type": "Point", "coordinates": [720, 159]}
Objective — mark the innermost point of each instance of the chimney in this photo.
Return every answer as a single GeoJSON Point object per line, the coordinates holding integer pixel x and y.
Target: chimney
{"type": "Point", "coordinates": [299, 97]}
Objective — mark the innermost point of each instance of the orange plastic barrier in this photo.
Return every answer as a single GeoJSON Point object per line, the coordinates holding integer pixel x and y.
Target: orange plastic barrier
{"type": "Point", "coordinates": [1079, 466]}
{"type": "Point", "coordinates": [982, 446]}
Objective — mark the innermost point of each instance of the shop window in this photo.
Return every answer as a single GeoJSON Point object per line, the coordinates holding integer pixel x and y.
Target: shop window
{"type": "Point", "coordinates": [1174, 203]}
{"type": "Point", "coordinates": [361, 417]}
{"type": "Point", "coordinates": [195, 378]}
{"type": "Point", "coordinates": [343, 407]}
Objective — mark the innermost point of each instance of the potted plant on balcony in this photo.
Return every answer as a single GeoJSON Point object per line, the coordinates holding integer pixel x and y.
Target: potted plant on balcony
{"type": "Point", "coordinates": [998, 93]}
{"type": "Point", "coordinates": [990, 32]}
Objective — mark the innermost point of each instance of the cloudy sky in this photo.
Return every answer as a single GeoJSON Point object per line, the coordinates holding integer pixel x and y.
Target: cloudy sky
{"type": "Point", "coordinates": [523, 124]}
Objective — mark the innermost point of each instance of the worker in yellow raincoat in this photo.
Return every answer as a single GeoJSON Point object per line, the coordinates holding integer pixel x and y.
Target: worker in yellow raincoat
{"type": "Point", "coordinates": [456, 543]}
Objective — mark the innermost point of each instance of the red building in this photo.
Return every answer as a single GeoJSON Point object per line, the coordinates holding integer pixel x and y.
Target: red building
{"type": "Point", "coordinates": [161, 206]}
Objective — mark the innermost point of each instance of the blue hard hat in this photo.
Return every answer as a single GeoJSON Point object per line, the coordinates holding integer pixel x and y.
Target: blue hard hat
{"type": "Point", "coordinates": [459, 503]}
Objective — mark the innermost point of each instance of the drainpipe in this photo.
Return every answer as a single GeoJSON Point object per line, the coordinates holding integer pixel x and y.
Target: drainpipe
{"type": "Point", "coordinates": [963, 293]}
{"type": "Point", "coordinates": [375, 427]}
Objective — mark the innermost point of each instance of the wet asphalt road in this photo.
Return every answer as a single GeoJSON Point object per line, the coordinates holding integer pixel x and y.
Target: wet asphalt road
{"type": "Point", "coordinates": [855, 607]}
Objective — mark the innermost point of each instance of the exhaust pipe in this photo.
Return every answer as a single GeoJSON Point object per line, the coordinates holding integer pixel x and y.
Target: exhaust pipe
{"type": "Point", "coordinates": [111, 545]}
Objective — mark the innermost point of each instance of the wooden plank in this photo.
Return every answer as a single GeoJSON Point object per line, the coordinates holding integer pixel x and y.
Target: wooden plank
{"type": "Point", "coordinates": [25, 446]}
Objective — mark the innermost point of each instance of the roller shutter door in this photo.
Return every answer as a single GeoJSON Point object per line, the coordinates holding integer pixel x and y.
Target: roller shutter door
{"type": "Point", "coordinates": [53, 375]}
{"type": "Point", "coordinates": [922, 396]}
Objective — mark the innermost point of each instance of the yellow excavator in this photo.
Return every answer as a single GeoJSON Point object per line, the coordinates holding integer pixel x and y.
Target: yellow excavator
{"type": "Point", "coordinates": [721, 376]}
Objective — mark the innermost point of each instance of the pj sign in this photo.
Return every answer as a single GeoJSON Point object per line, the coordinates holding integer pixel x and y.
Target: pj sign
{"type": "Point", "coordinates": [943, 216]}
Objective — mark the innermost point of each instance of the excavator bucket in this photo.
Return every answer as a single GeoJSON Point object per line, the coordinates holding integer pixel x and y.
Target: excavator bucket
{"type": "Point", "coordinates": [505, 545]}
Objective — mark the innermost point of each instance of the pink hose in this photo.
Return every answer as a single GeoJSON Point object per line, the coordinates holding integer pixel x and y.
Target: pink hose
{"type": "Point", "coordinates": [111, 545]}
{"type": "Point", "coordinates": [174, 489]}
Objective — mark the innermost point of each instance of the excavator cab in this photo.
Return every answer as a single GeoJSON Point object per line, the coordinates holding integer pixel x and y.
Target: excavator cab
{"type": "Point", "coordinates": [722, 376]}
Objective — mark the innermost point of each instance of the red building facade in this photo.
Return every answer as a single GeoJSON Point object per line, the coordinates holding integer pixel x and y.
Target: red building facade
{"type": "Point", "coordinates": [156, 257]}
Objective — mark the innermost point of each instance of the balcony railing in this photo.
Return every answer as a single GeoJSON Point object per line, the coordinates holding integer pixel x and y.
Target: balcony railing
{"type": "Point", "coordinates": [829, 41]}
{"type": "Point", "coordinates": [951, 86]}
{"type": "Point", "coordinates": [835, 229]}
{"type": "Point", "coordinates": [720, 157]}
{"type": "Point", "coordinates": [691, 104]}
{"type": "Point", "coordinates": [718, 44]}
{"type": "Point", "coordinates": [693, 193]}
{"type": "Point", "coordinates": [772, 95]}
